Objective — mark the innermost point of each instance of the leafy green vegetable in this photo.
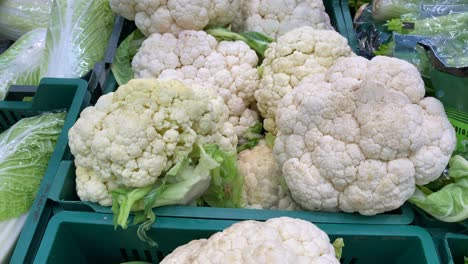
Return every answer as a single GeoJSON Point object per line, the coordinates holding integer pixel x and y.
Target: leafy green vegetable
{"type": "Point", "coordinates": [20, 63]}
{"type": "Point", "coordinates": [338, 245]}
{"type": "Point", "coordinates": [256, 41]}
{"type": "Point", "coordinates": [122, 66]}
{"type": "Point", "coordinates": [252, 136]}
{"type": "Point", "coordinates": [21, 16]}
{"type": "Point", "coordinates": [450, 203]}
{"type": "Point", "coordinates": [25, 150]}
{"type": "Point", "coordinates": [79, 31]}
{"type": "Point", "coordinates": [226, 183]}
{"type": "Point", "coordinates": [181, 185]}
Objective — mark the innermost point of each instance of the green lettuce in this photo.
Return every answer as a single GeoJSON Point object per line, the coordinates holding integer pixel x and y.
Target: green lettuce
{"type": "Point", "coordinates": [17, 17]}
{"type": "Point", "coordinates": [19, 64]}
{"type": "Point", "coordinates": [446, 199]}
{"type": "Point", "coordinates": [25, 150]}
{"type": "Point", "coordinates": [79, 31]}
{"type": "Point", "coordinates": [122, 66]}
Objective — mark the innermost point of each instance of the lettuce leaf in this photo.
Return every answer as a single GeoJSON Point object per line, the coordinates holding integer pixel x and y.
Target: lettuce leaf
{"type": "Point", "coordinates": [25, 150]}
{"type": "Point", "coordinates": [19, 64]}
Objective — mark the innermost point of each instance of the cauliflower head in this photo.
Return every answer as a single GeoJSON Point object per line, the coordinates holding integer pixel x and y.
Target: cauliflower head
{"type": "Point", "coordinates": [279, 240]}
{"type": "Point", "coordinates": [299, 54]}
{"type": "Point", "coordinates": [275, 18]}
{"type": "Point", "coordinates": [195, 57]}
{"type": "Point", "coordinates": [132, 136]}
{"type": "Point", "coordinates": [359, 140]}
{"type": "Point", "coordinates": [262, 179]}
{"type": "Point", "coordinates": [173, 16]}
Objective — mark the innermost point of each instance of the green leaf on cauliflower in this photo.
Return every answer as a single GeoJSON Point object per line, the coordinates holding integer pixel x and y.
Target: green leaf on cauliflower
{"type": "Point", "coordinates": [253, 136]}
{"type": "Point", "coordinates": [122, 66]}
{"type": "Point", "coordinates": [226, 185]}
{"type": "Point", "coordinates": [256, 41]}
{"type": "Point", "coordinates": [450, 203]}
{"type": "Point", "coordinates": [338, 245]}
{"type": "Point", "coordinates": [25, 150]}
{"type": "Point", "coordinates": [181, 185]}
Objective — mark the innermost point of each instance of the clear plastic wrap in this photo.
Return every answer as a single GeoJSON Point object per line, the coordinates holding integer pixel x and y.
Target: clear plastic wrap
{"type": "Point", "coordinates": [77, 38]}
{"type": "Point", "coordinates": [20, 63]}
{"type": "Point", "coordinates": [17, 17]}
{"type": "Point", "coordinates": [383, 10]}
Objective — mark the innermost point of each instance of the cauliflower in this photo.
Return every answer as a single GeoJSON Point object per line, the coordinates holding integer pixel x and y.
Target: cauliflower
{"type": "Point", "coordinates": [275, 18]}
{"type": "Point", "coordinates": [134, 135]}
{"type": "Point", "coordinates": [299, 54]}
{"type": "Point", "coordinates": [360, 139]}
{"type": "Point", "coordinates": [195, 57]}
{"type": "Point", "coordinates": [279, 240]}
{"type": "Point", "coordinates": [173, 16]}
{"type": "Point", "coordinates": [262, 179]}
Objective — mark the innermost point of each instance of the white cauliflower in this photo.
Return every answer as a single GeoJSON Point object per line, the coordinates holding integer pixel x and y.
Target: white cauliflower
{"type": "Point", "coordinates": [279, 240]}
{"type": "Point", "coordinates": [360, 139]}
{"type": "Point", "coordinates": [134, 135]}
{"type": "Point", "coordinates": [299, 54]}
{"type": "Point", "coordinates": [173, 16]}
{"type": "Point", "coordinates": [195, 57]}
{"type": "Point", "coordinates": [262, 179]}
{"type": "Point", "coordinates": [275, 18]}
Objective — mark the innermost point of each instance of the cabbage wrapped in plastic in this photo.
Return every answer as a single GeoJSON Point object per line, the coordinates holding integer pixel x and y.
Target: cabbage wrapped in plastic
{"type": "Point", "coordinates": [20, 63]}
{"type": "Point", "coordinates": [17, 17]}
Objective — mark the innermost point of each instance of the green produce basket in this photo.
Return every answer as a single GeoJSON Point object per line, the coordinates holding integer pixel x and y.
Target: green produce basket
{"type": "Point", "coordinates": [80, 237]}
{"type": "Point", "coordinates": [51, 94]}
{"type": "Point", "coordinates": [454, 248]}
{"type": "Point", "coordinates": [63, 192]}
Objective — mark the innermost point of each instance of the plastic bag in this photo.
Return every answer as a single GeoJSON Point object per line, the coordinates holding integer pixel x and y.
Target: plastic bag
{"type": "Point", "coordinates": [383, 10]}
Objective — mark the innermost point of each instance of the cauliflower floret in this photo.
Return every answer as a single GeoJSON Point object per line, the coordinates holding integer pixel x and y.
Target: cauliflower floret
{"type": "Point", "coordinates": [360, 139]}
{"type": "Point", "coordinates": [279, 240]}
{"type": "Point", "coordinates": [132, 136]}
{"type": "Point", "coordinates": [262, 179]}
{"type": "Point", "coordinates": [299, 54]}
{"type": "Point", "coordinates": [275, 18]}
{"type": "Point", "coordinates": [162, 16]}
{"type": "Point", "coordinates": [195, 57]}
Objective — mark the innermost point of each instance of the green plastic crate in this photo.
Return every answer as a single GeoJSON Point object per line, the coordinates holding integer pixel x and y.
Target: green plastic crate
{"type": "Point", "coordinates": [51, 94]}
{"type": "Point", "coordinates": [63, 192]}
{"type": "Point", "coordinates": [455, 248]}
{"type": "Point", "coordinates": [80, 237]}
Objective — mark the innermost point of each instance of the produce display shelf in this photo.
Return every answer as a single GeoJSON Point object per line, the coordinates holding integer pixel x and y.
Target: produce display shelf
{"type": "Point", "coordinates": [84, 237]}
{"type": "Point", "coordinates": [51, 94]}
